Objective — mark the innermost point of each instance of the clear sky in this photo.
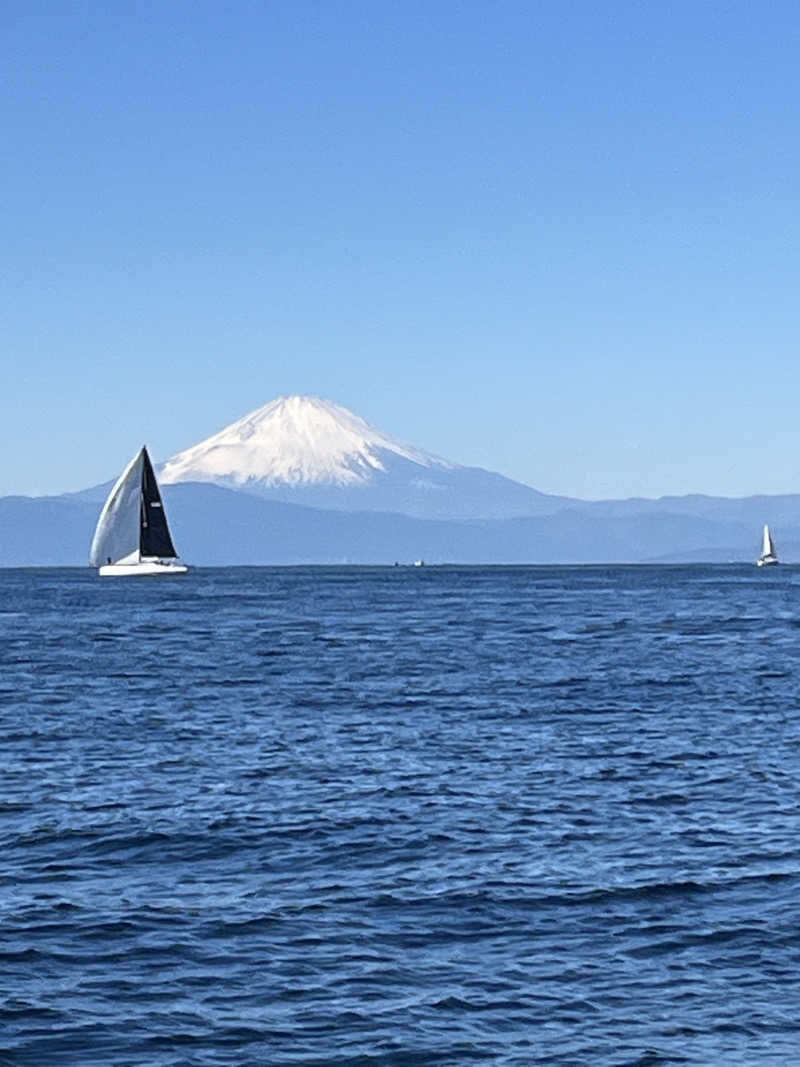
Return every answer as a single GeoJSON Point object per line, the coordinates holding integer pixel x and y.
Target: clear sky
{"type": "Point", "coordinates": [558, 240]}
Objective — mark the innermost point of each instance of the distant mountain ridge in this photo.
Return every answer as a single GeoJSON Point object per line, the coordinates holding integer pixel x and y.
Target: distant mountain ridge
{"type": "Point", "coordinates": [213, 526]}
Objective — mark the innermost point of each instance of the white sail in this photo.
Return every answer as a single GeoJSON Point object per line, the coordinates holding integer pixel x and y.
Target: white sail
{"type": "Point", "coordinates": [767, 557]}
{"type": "Point", "coordinates": [117, 535]}
{"type": "Point", "coordinates": [768, 548]}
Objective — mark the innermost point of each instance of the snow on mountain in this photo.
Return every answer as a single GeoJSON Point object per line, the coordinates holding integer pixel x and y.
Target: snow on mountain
{"type": "Point", "coordinates": [294, 441]}
{"type": "Point", "coordinates": [304, 450]}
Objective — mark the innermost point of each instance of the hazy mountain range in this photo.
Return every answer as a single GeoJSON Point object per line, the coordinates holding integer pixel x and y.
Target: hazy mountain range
{"type": "Point", "coordinates": [303, 480]}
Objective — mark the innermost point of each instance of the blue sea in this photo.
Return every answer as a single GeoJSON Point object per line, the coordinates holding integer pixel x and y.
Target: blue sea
{"type": "Point", "coordinates": [534, 815]}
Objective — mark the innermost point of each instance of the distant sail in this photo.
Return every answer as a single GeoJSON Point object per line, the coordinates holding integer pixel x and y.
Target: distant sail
{"type": "Point", "coordinates": [768, 548]}
{"type": "Point", "coordinates": [768, 555]}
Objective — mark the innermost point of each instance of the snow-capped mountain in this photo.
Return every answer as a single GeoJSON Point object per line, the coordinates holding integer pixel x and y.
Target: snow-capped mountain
{"type": "Point", "coordinates": [295, 440]}
{"type": "Point", "coordinates": [306, 450]}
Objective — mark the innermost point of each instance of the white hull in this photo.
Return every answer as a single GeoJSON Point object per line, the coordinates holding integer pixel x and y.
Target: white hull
{"type": "Point", "coordinates": [148, 568]}
{"type": "Point", "coordinates": [767, 561]}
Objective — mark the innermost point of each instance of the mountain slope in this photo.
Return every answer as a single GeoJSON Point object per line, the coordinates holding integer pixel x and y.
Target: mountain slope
{"type": "Point", "coordinates": [309, 451]}
{"type": "Point", "coordinates": [295, 440]}
{"type": "Point", "coordinates": [45, 531]}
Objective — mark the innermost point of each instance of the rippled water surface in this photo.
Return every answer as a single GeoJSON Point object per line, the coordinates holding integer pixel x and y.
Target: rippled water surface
{"type": "Point", "coordinates": [400, 816]}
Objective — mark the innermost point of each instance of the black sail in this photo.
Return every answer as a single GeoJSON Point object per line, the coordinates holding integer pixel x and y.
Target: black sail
{"type": "Point", "coordinates": [155, 538]}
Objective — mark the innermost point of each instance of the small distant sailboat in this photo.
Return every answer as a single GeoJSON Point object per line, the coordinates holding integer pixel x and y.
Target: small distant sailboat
{"type": "Point", "coordinates": [132, 535]}
{"type": "Point", "coordinates": [767, 557]}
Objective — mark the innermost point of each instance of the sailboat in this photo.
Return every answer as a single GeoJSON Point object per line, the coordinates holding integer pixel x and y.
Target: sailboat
{"type": "Point", "coordinates": [132, 535]}
{"type": "Point", "coordinates": [767, 557]}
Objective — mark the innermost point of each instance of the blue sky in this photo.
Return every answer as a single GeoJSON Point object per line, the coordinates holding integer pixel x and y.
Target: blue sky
{"type": "Point", "coordinates": [558, 240]}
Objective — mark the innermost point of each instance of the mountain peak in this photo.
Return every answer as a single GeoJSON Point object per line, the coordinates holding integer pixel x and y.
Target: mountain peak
{"type": "Point", "coordinates": [294, 441]}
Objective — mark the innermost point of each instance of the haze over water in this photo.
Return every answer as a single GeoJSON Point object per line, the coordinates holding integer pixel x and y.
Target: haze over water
{"type": "Point", "coordinates": [401, 816]}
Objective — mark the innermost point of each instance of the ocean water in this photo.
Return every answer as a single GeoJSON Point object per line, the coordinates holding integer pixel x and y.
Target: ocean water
{"type": "Point", "coordinates": [400, 816]}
